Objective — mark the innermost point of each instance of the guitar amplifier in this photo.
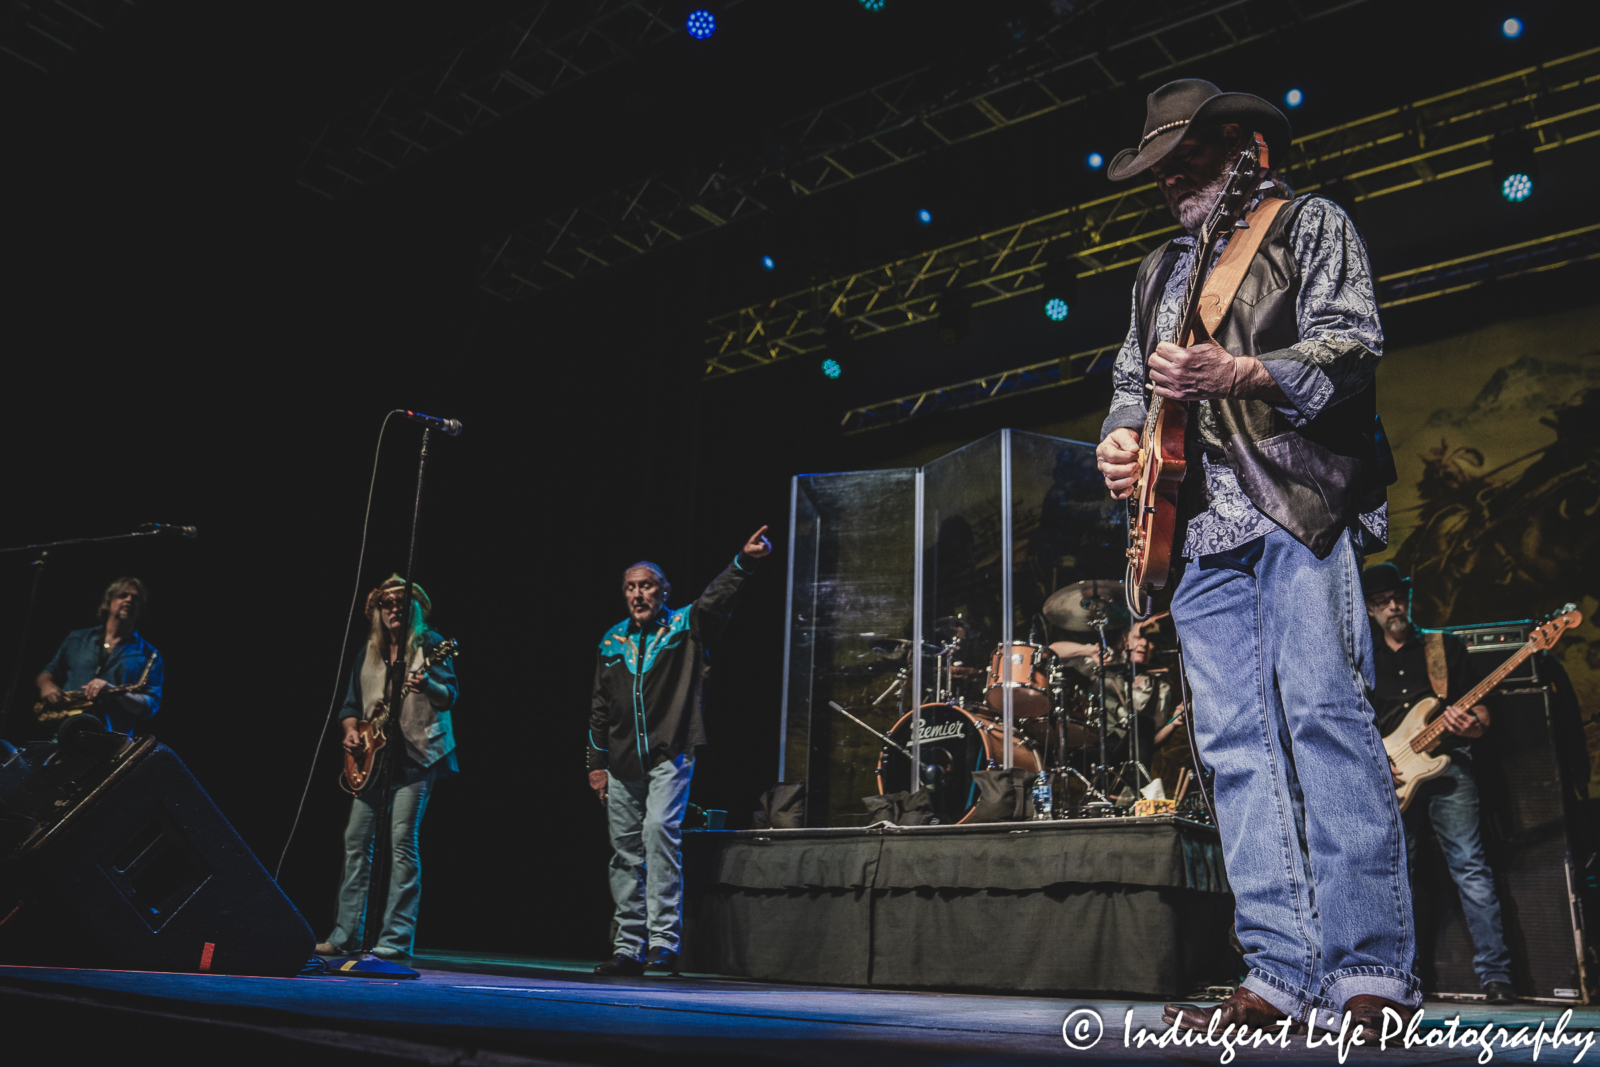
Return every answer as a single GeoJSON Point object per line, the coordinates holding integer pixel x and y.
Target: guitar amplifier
{"type": "Point", "coordinates": [1493, 645]}
{"type": "Point", "coordinates": [1528, 838]}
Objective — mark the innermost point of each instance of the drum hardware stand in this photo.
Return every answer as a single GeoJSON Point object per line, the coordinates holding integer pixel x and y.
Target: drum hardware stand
{"type": "Point", "coordinates": [1099, 618]}
{"type": "Point", "coordinates": [884, 737]}
{"type": "Point", "coordinates": [897, 686]}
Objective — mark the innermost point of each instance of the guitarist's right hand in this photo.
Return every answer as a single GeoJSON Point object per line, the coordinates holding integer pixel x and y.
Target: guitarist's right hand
{"type": "Point", "coordinates": [1118, 457]}
{"type": "Point", "coordinates": [352, 739]}
{"type": "Point", "coordinates": [50, 693]}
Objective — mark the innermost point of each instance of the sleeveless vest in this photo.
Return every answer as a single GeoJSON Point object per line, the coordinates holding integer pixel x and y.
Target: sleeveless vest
{"type": "Point", "coordinates": [1313, 480]}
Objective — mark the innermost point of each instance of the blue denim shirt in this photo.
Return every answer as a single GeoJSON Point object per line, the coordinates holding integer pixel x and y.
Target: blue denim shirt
{"type": "Point", "coordinates": [79, 661]}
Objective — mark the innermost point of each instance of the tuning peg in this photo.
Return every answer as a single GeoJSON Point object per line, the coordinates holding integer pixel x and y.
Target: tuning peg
{"type": "Point", "coordinates": [1241, 225]}
{"type": "Point", "coordinates": [1263, 187]}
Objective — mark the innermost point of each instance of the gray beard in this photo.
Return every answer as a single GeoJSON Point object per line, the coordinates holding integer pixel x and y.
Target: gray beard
{"type": "Point", "coordinates": [1192, 212]}
{"type": "Point", "coordinates": [1397, 626]}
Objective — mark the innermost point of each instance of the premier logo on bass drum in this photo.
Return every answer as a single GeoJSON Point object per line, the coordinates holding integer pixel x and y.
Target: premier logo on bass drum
{"type": "Point", "coordinates": [942, 732]}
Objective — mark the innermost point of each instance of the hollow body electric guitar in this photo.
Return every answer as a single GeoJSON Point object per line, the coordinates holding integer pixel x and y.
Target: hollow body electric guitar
{"type": "Point", "coordinates": [1153, 506]}
{"type": "Point", "coordinates": [360, 765]}
{"type": "Point", "coordinates": [1413, 741]}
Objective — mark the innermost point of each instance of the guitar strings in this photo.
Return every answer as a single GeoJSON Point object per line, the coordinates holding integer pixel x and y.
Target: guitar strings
{"type": "Point", "coordinates": [344, 645]}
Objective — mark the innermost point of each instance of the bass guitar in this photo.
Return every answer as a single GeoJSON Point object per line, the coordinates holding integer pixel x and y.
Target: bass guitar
{"type": "Point", "coordinates": [1411, 745]}
{"type": "Point", "coordinates": [359, 765]}
{"type": "Point", "coordinates": [74, 702]}
{"type": "Point", "coordinates": [1153, 505]}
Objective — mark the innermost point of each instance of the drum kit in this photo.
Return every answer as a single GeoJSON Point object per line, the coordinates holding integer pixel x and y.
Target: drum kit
{"type": "Point", "coordinates": [1060, 722]}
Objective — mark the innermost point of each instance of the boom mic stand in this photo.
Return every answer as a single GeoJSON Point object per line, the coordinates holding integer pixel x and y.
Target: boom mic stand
{"type": "Point", "coordinates": [382, 833]}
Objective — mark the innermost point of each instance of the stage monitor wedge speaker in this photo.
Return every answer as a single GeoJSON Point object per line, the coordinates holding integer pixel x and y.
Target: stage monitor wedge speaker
{"type": "Point", "coordinates": [1529, 837]}
{"type": "Point", "coordinates": [135, 868]}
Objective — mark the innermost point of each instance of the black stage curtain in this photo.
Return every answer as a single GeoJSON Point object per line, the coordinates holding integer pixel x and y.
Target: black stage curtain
{"type": "Point", "coordinates": [1112, 906]}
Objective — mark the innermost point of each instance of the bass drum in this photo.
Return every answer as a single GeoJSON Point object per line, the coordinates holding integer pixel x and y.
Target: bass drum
{"type": "Point", "coordinates": [955, 742]}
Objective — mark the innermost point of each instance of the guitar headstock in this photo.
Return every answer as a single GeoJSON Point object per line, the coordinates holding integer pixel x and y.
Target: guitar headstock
{"type": "Point", "coordinates": [1547, 633]}
{"type": "Point", "coordinates": [1244, 178]}
{"type": "Point", "coordinates": [443, 651]}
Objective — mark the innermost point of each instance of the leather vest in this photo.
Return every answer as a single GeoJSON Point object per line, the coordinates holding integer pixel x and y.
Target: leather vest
{"type": "Point", "coordinates": [1313, 480]}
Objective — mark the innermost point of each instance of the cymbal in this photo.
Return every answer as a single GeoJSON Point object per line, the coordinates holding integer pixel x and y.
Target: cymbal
{"type": "Point", "coordinates": [1088, 665]}
{"type": "Point", "coordinates": [950, 626]}
{"type": "Point", "coordinates": [1069, 608]}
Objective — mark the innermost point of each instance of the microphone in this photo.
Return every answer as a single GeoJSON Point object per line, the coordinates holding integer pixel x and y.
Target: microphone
{"type": "Point", "coordinates": [189, 532]}
{"type": "Point", "coordinates": [449, 426]}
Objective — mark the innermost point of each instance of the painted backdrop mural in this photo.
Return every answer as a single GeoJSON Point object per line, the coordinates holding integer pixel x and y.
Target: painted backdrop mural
{"type": "Point", "coordinates": [1496, 515]}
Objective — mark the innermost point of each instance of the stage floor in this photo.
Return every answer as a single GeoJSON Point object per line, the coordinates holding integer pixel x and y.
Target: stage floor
{"type": "Point", "coordinates": [473, 1008]}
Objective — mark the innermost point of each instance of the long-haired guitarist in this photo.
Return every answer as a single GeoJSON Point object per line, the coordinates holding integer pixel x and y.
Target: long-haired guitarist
{"type": "Point", "coordinates": [1283, 488]}
{"type": "Point", "coordinates": [428, 752]}
{"type": "Point", "coordinates": [108, 670]}
{"type": "Point", "coordinates": [1411, 668]}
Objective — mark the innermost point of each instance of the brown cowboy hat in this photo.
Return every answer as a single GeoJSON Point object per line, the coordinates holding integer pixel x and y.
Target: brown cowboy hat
{"type": "Point", "coordinates": [1177, 106]}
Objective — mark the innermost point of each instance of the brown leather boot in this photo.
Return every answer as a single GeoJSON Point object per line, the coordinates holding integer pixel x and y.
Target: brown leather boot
{"type": "Point", "coordinates": [1366, 1016]}
{"type": "Point", "coordinates": [1242, 1007]}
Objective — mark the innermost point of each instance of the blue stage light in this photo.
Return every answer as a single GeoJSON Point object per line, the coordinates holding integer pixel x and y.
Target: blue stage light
{"type": "Point", "coordinates": [1517, 188]}
{"type": "Point", "coordinates": [831, 368]}
{"type": "Point", "coordinates": [1096, 161]}
{"type": "Point", "coordinates": [1511, 27]}
{"type": "Point", "coordinates": [925, 216]}
{"type": "Point", "coordinates": [1056, 309]}
{"type": "Point", "coordinates": [701, 24]}
{"type": "Point", "coordinates": [873, 5]}
{"type": "Point", "coordinates": [1294, 98]}
{"type": "Point", "coordinates": [768, 263]}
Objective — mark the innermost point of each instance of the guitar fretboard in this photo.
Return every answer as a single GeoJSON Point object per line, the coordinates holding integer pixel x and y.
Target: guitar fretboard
{"type": "Point", "coordinates": [1430, 736]}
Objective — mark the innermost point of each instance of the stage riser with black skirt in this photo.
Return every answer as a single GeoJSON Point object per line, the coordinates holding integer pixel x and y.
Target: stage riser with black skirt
{"type": "Point", "coordinates": [1137, 906]}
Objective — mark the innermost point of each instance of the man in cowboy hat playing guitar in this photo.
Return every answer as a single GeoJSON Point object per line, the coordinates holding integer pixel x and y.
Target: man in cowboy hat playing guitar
{"type": "Point", "coordinates": [1283, 493]}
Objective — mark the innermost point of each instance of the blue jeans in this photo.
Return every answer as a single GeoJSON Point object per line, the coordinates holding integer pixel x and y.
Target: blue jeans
{"type": "Point", "coordinates": [399, 929]}
{"type": "Point", "coordinates": [646, 856]}
{"type": "Point", "coordinates": [1450, 802]}
{"type": "Point", "coordinates": [1277, 650]}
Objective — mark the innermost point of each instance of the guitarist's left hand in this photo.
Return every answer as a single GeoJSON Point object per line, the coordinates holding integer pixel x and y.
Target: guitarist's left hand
{"type": "Point", "coordinates": [416, 682]}
{"type": "Point", "coordinates": [1465, 723]}
{"type": "Point", "coordinates": [1207, 371]}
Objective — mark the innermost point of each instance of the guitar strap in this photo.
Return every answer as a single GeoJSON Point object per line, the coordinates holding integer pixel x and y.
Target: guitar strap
{"type": "Point", "coordinates": [1222, 284]}
{"type": "Point", "coordinates": [1438, 670]}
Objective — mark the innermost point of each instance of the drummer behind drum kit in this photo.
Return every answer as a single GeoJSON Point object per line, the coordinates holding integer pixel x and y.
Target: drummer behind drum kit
{"type": "Point", "coordinates": [1058, 714]}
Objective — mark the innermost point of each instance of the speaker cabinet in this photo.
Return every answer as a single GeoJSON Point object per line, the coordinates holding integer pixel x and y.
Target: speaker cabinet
{"type": "Point", "coordinates": [141, 871]}
{"type": "Point", "coordinates": [1528, 837]}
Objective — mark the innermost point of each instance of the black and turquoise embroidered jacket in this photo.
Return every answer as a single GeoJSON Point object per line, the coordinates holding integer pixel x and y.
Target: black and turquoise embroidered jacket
{"type": "Point", "coordinates": [650, 685]}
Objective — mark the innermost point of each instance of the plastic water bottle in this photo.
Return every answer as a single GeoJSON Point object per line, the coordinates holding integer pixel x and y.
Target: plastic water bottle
{"type": "Point", "coordinates": [1041, 796]}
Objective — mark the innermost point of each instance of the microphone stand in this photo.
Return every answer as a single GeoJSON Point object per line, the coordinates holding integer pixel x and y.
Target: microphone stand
{"type": "Point", "coordinates": [382, 833]}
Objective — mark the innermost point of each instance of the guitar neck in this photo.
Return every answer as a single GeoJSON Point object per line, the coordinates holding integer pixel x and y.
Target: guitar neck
{"type": "Point", "coordinates": [1436, 728]}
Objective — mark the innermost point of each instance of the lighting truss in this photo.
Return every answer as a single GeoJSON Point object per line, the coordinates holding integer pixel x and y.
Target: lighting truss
{"type": "Point", "coordinates": [889, 124]}
{"type": "Point", "coordinates": [1401, 148]}
{"type": "Point", "coordinates": [535, 55]}
{"type": "Point", "coordinates": [1558, 250]}
{"type": "Point", "coordinates": [40, 36]}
